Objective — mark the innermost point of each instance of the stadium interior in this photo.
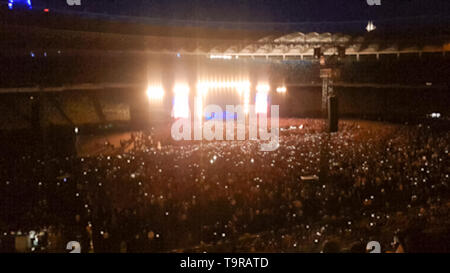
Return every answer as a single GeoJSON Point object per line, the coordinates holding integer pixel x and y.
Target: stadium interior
{"type": "Point", "coordinates": [87, 102]}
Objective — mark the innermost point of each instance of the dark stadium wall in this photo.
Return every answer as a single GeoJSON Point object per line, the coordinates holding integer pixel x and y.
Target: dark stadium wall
{"type": "Point", "coordinates": [77, 108]}
{"type": "Point", "coordinates": [391, 104]}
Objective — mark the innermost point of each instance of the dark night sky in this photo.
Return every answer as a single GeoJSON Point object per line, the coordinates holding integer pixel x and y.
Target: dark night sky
{"type": "Point", "coordinates": [260, 10]}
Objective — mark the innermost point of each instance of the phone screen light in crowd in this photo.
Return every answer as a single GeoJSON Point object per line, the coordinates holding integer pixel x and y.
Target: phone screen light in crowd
{"type": "Point", "coordinates": [370, 27]}
{"type": "Point", "coordinates": [435, 115]}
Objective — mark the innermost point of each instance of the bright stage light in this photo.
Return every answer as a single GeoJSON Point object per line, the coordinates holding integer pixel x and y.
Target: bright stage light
{"type": "Point", "coordinates": [199, 106]}
{"type": "Point", "coordinates": [262, 91]}
{"type": "Point", "coordinates": [155, 93]}
{"type": "Point", "coordinates": [224, 57]}
{"type": "Point", "coordinates": [202, 91]}
{"type": "Point", "coordinates": [261, 103]}
{"type": "Point", "coordinates": [223, 84]}
{"type": "Point", "coordinates": [281, 89]}
{"type": "Point", "coordinates": [246, 100]}
{"type": "Point", "coordinates": [181, 101]}
{"type": "Point", "coordinates": [265, 88]}
{"type": "Point", "coordinates": [242, 87]}
{"type": "Point", "coordinates": [181, 89]}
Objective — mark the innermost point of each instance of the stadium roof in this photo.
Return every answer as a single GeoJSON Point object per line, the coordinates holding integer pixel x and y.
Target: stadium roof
{"type": "Point", "coordinates": [37, 32]}
{"type": "Point", "coordinates": [303, 44]}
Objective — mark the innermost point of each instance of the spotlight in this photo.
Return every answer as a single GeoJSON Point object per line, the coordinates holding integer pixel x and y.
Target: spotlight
{"type": "Point", "coordinates": [181, 89]}
{"type": "Point", "coordinates": [155, 93]}
{"type": "Point", "coordinates": [281, 89]}
{"type": "Point", "coordinates": [261, 98]}
{"type": "Point", "coordinates": [242, 87]}
{"type": "Point", "coordinates": [265, 88]}
{"type": "Point", "coordinates": [181, 101]}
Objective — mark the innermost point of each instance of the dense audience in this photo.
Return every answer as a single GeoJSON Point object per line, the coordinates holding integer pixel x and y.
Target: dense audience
{"type": "Point", "coordinates": [316, 192]}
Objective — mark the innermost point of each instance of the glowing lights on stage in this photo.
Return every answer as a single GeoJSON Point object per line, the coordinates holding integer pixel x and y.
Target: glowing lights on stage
{"type": "Point", "coordinates": [263, 88]}
{"type": "Point", "coordinates": [281, 89]}
{"type": "Point", "coordinates": [261, 101]}
{"type": "Point", "coordinates": [242, 87]}
{"type": "Point", "coordinates": [199, 106]}
{"type": "Point", "coordinates": [246, 100]}
{"type": "Point", "coordinates": [155, 93]}
{"type": "Point", "coordinates": [181, 101]}
{"type": "Point", "coordinates": [223, 57]}
{"type": "Point", "coordinates": [182, 98]}
{"type": "Point", "coordinates": [224, 84]}
{"type": "Point", "coordinates": [181, 89]}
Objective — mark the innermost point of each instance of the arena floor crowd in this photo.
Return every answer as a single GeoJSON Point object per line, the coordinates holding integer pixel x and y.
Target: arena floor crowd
{"type": "Point", "coordinates": [317, 192]}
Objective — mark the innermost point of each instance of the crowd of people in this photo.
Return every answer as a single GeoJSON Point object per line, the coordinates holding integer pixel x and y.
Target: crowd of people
{"type": "Point", "coordinates": [317, 192]}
